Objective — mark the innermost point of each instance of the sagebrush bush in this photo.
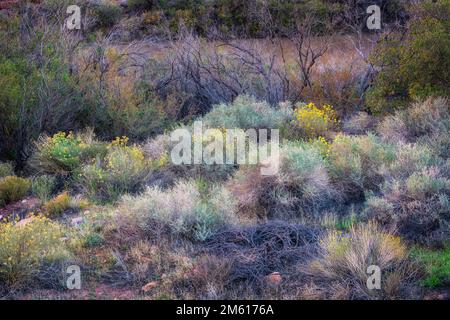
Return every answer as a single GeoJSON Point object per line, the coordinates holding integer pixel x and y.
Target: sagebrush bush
{"type": "Point", "coordinates": [345, 258]}
{"type": "Point", "coordinates": [301, 188]}
{"type": "Point", "coordinates": [355, 163]}
{"type": "Point", "coordinates": [43, 187]}
{"type": "Point", "coordinates": [6, 169]}
{"type": "Point", "coordinates": [417, 206]}
{"type": "Point", "coordinates": [359, 123]}
{"type": "Point", "coordinates": [247, 113]}
{"type": "Point", "coordinates": [26, 246]}
{"type": "Point", "coordinates": [184, 209]}
{"type": "Point", "coordinates": [424, 118]}
{"type": "Point", "coordinates": [13, 189]}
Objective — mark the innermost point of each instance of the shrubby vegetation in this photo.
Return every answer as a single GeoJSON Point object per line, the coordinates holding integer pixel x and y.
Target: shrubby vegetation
{"type": "Point", "coordinates": [364, 171]}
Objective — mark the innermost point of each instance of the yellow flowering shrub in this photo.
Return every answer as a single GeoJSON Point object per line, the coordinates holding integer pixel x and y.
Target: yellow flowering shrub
{"type": "Point", "coordinates": [314, 121]}
{"type": "Point", "coordinates": [26, 245]}
{"type": "Point", "coordinates": [65, 152]}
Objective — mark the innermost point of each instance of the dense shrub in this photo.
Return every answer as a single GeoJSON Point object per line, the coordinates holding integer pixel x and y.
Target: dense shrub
{"type": "Point", "coordinates": [26, 246]}
{"type": "Point", "coordinates": [425, 118]}
{"type": "Point", "coordinates": [38, 91]}
{"type": "Point", "coordinates": [313, 121]}
{"type": "Point", "coordinates": [185, 209]}
{"type": "Point", "coordinates": [246, 113]}
{"type": "Point", "coordinates": [301, 188]}
{"type": "Point", "coordinates": [417, 206]}
{"type": "Point", "coordinates": [412, 65]}
{"type": "Point", "coordinates": [13, 189]}
{"type": "Point", "coordinates": [56, 206]}
{"type": "Point", "coordinates": [64, 153]}
{"type": "Point", "coordinates": [355, 163]}
{"type": "Point", "coordinates": [107, 13]}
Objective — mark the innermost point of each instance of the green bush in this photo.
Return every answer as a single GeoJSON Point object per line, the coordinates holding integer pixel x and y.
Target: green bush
{"type": "Point", "coordinates": [13, 189]}
{"type": "Point", "coordinates": [56, 206]}
{"type": "Point", "coordinates": [436, 263]}
{"type": "Point", "coordinates": [65, 152]}
{"type": "Point", "coordinates": [355, 163]}
{"type": "Point", "coordinates": [6, 169]}
{"type": "Point", "coordinates": [413, 65]}
{"type": "Point", "coordinates": [123, 170]}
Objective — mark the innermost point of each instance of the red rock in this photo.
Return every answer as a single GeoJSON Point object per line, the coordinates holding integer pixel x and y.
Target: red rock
{"type": "Point", "coordinates": [274, 279]}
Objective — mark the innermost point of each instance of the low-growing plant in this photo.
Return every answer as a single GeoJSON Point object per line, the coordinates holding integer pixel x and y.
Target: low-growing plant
{"type": "Point", "coordinates": [26, 246]}
{"type": "Point", "coordinates": [436, 263]}
{"type": "Point", "coordinates": [64, 153]}
{"type": "Point", "coordinates": [355, 163]}
{"type": "Point", "coordinates": [13, 188]}
{"type": "Point", "coordinates": [301, 189]}
{"type": "Point", "coordinates": [123, 170]}
{"type": "Point", "coordinates": [56, 206]}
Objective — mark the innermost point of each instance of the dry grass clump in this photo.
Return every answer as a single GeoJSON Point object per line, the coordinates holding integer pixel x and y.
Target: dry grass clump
{"type": "Point", "coordinates": [340, 269]}
{"type": "Point", "coordinates": [12, 189]}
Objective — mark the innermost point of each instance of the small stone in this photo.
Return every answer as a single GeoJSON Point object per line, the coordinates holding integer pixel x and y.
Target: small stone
{"type": "Point", "coordinates": [274, 279]}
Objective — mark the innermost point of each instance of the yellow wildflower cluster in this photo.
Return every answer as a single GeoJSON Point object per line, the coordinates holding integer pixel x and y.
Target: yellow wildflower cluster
{"type": "Point", "coordinates": [315, 121]}
{"type": "Point", "coordinates": [119, 142]}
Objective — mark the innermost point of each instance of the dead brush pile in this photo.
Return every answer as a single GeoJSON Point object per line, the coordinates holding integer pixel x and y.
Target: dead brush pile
{"type": "Point", "coordinates": [257, 251]}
